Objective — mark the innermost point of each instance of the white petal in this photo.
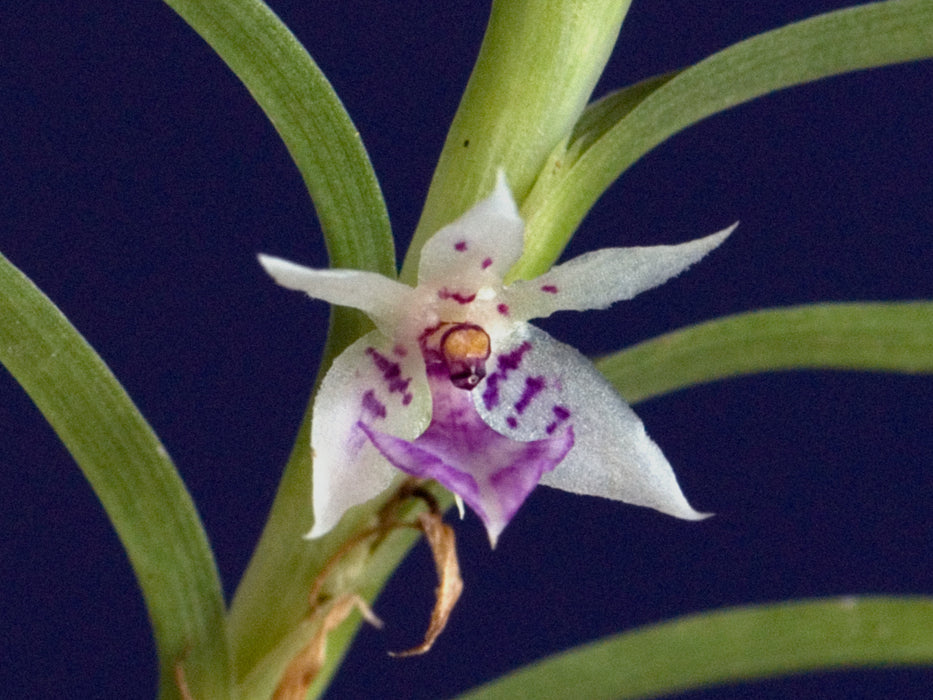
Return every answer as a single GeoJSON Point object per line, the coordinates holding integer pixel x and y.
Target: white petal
{"type": "Point", "coordinates": [382, 385]}
{"type": "Point", "coordinates": [600, 278]}
{"type": "Point", "coordinates": [485, 242]}
{"type": "Point", "coordinates": [379, 297]}
{"type": "Point", "coordinates": [538, 385]}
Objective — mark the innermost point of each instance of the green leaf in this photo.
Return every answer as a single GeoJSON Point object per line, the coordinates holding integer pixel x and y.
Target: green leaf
{"type": "Point", "coordinates": [883, 336]}
{"type": "Point", "coordinates": [325, 145]}
{"type": "Point", "coordinates": [613, 134]}
{"type": "Point", "coordinates": [728, 646]}
{"type": "Point", "coordinates": [311, 120]}
{"type": "Point", "coordinates": [133, 477]}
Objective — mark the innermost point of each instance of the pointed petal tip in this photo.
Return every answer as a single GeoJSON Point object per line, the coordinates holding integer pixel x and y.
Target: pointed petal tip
{"type": "Point", "coordinates": [696, 515]}
{"type": "Point", "coordinates": [717, 238]}
{"type": "Point", "coordinates": [319, 529]}
{"type": "Point", "coordinates": [678, 507]}
{"type": "Point", "coordinates": [277, 268]}
{"type": "Point", "coordinates": [266, 261]}
{"type": "Point", "coordinates": [502, 181]}
{"type": "Point", "coordinates": [270, 262]}
{"type": "Point", "coordinates": [501, 197]}
{"type": "Point", "coordinates": [461, 509]}
{"type": "Point", "coordinates": [490, 234]}
{"type": "Point", "coordinates": [312, 534]}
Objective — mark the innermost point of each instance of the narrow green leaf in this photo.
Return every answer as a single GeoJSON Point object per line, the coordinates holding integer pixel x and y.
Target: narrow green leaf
{"type": "Point", "coordinates": [326, 147]}
{"type": "Point", "coordinates": [731, 645]}
{"type": "Point", "coordinates": [727, 646]}
{"type": "Point", "coordinates": [311, 120]}
{"type": "Point", "coordinates": [883, 337]}
{"type": "Point", "coordinates": [846, 40]}
{"type": "Point", "coordinates": [133, 477]}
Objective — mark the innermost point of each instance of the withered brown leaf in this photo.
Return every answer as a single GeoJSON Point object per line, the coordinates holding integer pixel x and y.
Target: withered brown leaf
{"type": "Point", "coordinates": [440, 538]}
{"type": "Point", "coordinates": [307, 663]}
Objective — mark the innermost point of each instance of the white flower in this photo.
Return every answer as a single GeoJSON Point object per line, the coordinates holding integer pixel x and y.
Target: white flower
{"type": "Point", "coordinates": [456, 385]}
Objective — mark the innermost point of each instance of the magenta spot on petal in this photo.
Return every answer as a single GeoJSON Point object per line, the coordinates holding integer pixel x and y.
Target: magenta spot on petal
{"type": "Point", "coordinates": [445, 293]}
{"type": "Point", "coordinates": [505, 363]}
{"type": "Point", "coordinates": [406, 399]}
{"type": "Point", "coordinates": [503, 309]}
{"type": "Point", "coordinates": [549, 288]}
{"type": "Point", "coordinates": [460, 246]}
{"type": "Point", "coordinates": [391, 372]}
{"type": "Point", "coordinates": [561, 414]}
{"type": "Point", "coordinates": [533, 387]}
{"type": "Point", "coordinates": [486, 263]}
{"type": "Point", "coordinates": [427, 333]}
{"type": "Point", "coordinates": [373, 405]}
{"type": "Point", "coordinates": [512, 421]}
{"type": "Point", "coordinates": [389, 369]}
{"type": "Point", "coordinates": [491, 392]}
{"type": "Point", "coordinates": [399, 351]}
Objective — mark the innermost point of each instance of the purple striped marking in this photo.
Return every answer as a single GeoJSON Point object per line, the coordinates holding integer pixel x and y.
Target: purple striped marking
{"type": "Point", "coordinates": [445, 293]}
{"type": "Point", "coordinates": [391, 375]}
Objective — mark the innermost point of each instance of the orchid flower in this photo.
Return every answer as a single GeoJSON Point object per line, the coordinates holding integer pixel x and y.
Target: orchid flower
{"type": "Point", "coordinates": [455, 385]}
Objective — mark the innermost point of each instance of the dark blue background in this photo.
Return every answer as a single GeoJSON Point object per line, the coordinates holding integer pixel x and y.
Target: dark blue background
{"type": "Point", "coordinates": [138, 180]}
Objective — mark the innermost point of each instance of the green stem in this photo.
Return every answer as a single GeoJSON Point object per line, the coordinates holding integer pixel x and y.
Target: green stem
{"type": "Point", "coordinates": [537, 67]}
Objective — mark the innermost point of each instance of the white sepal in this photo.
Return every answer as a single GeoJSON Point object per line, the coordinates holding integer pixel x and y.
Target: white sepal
{"type": "Point", "coordinates": [374, 383]}
{"type": "Point", "coordinates": [612, 455]}
{"type": "Point", "coordinates": [481, 245]}
{"type": "Point", "coordinates": [602, 277]}
{"type": "Point", "coordinates": [380, 298]}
